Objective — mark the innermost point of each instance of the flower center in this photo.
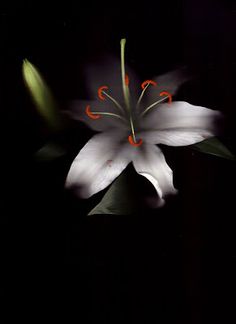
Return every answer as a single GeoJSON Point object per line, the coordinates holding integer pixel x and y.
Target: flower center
{"type": "Point", "coordinates": [125, 113]}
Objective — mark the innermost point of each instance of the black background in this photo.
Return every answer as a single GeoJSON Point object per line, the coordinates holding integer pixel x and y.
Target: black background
{"type": "Point", "coordinates": [171, 265]}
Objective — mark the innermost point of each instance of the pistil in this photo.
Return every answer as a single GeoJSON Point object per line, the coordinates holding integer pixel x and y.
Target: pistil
{"type": "Point", "coordinates": [125, 87]}
{"type": "Point", "coordinates": [125, 84]}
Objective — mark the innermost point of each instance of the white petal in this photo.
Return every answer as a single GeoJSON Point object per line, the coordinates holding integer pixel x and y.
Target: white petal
{"type": "Point", "coordinates": [151, 164]}
{"type": "Point", "coordinates": [180, 115]}
{"type": "Point", "coordinates": [99, 162]}
{"type": "Point", "coordinates": [175, 137]}
{"type": "Point", "coordinates": [77, 112]}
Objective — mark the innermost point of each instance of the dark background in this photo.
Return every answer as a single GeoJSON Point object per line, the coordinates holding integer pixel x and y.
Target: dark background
{"type": "Point", "coordinates": [171, 265]}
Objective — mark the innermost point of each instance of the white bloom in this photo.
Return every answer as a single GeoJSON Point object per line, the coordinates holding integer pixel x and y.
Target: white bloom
{"type": "Point", "coordinates": [130, 128]}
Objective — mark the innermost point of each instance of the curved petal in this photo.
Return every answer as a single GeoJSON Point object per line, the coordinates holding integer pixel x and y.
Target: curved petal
{"type": "Point", "coordinates": [180, 115]}
{"type": "Point", "coordinates": [99, 162]}
{"type": "Point", "coordinates": [175, 137]}
{"type": "Point", "coordinates": [77, 112]}
{"type": "Point", "coordinates": [151, 164]}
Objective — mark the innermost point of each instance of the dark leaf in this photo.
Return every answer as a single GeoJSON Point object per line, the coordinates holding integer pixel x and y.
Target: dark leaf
{"type": "Point", "coordinates": [215, 147]}
{"type": "Point", "coordinates": [50, 152]}
{"type": "Point", "coordinates": [119, 199]}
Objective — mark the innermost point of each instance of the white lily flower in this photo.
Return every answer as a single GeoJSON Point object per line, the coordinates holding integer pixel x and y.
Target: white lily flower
{"type": "Point", "coordinates": [131, 127]}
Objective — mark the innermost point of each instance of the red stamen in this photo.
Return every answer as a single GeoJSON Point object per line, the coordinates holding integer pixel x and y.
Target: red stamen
{"type": "Point", "coordinates": [143, 85]}
{"type": "Point", "coordinates": [131, 141]}
{"type": "Point", "coordinates": [126, 79]}
{"type": "Point", "coordinates": [100, 90]}
{"type": "Point", "coordinates": [166, 93]}
{"type": "Point", "coordinates": [90, 114]}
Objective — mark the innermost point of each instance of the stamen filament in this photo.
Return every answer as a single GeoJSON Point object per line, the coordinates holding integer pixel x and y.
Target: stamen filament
{"type": "Point", "coordinates": [97, 114]}
{"type": "Point", "coordinates": [116, 103]}
{"type": "Point", "coordinates": [153, 105]}
{"type": "Point", "coordinates": [144, 86]}
{"type": "Point", "coordinates": [108, 114]}
{"type": "Point", "coordinates": [141, 96]}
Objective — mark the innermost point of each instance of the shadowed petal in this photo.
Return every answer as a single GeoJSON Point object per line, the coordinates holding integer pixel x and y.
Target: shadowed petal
{"type": "Point", "coordinates": [77, 112]}
{"type": "Point", "coordinates": [108, 72]}
{"type": "Point", "coordinates": [170, 81]}
{"type": "Point", "coordinates": [151, 164]}
{"type": "Point", "coordinates": [99, 162]}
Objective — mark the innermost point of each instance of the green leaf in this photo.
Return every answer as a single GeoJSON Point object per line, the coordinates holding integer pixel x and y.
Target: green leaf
{"type": "Point", "coordinates": [215, 147]}
{"type": "Point", "coordinates": [50, 152]}
{"type": "Point", "coordinates": [119, 199]}
{"type": "Point", "coordinates": [41, 95]}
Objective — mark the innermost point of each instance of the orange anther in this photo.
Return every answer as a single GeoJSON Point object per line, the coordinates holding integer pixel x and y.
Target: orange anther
{"type": "Point", "coordinates": [100, 90]}
{"type": "Point", "coordinates": [126, 79]}
{"type": "Point", "coordinates": [166, 93]}
{"type": "Point", "coordinates": [90, 114]}
{"type": "Point", "coordinates": [131, 141]}
{"type": "Point", "coordinates": [143, 85]}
